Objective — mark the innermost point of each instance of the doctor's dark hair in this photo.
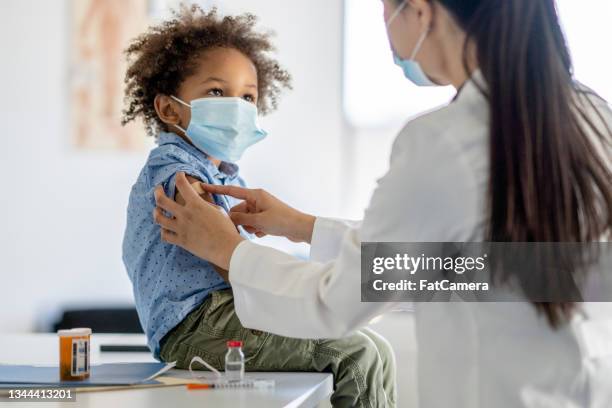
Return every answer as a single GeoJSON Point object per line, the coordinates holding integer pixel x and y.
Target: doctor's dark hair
{"type": "Point", "coordinates": [163, 57]}
{"type": "Point", "coordinates": [550, 179]}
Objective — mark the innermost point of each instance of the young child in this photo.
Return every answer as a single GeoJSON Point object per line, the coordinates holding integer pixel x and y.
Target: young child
{"type": "Point", "coordinates": [198, 81]}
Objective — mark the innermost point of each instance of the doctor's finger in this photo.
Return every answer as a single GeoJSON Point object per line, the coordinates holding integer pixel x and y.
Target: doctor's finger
{"type": "Point", "coordinates": [165, 203]}
{"type": "Point", "coordinates": [170, 237]}
{"type": "Point", "coordinates": [214, 206]}
{"type": "Point", "coordinates": [246, 220]}
{"type": "Point", "coordinates": [250, 230]}
{"type": "Point", "coordinates": [163, 221]}
{"type": "Point", "coordinates": [243, 207]}
{"type": "Point", "coordinates": [186, 190]}
{"type": "Point", "coordinates": [234, 191]}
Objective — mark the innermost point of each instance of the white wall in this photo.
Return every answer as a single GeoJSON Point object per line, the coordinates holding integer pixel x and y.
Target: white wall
{"type": "Point", "coordinates": [64, 209]}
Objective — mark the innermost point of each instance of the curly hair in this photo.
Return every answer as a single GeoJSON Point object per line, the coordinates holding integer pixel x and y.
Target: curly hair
{"type": "Point", "coordinates": [163, 57]}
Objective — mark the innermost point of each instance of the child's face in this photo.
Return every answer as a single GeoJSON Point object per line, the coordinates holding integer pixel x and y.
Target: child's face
{"type": "Point", "coordinates": [222, 72]}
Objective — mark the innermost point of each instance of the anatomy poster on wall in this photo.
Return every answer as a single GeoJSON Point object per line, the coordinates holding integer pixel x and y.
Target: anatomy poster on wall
{"type": "Point", "coordinates": [100, 32]}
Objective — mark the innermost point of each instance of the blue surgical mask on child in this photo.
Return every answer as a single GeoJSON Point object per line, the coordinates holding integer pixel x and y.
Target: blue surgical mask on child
{"type": "Point", "coordinates": [222, 127]}
{"type": "Point", "coordinates": [412, 69]}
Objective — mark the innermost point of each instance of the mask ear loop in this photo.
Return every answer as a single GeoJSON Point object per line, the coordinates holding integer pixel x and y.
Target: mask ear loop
{"type": "Point", "coordinates": [197, 359]}
{"type": "Point", "coordinates": [186, 104]}
{"type": "Point", "coordinates": [396, 13]}
{"type": "Point", "coordinates": [419, 44]}
{"type": "Point", "coordinates": [180, 101]}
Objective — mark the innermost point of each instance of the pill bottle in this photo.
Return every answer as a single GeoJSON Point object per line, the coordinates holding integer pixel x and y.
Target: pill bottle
{"type": "Point", "coordinates": [74, 354]}
{"type": "Point", "coordinates": [234, 361]}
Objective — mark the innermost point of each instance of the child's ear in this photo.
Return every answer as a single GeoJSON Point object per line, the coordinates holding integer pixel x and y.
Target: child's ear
{"type": "Point", "coordinates": [164, 106]}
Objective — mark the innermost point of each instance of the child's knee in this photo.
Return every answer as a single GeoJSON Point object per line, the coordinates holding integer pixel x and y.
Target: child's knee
{"type": "Point", "coordinates": [364, 351]}
{"type": "Point", "coordinates": [385, 350]}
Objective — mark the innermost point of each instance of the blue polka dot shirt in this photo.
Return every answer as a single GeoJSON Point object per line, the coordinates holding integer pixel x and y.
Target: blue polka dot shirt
{"type": "Point", "coordinates": [169, 282]}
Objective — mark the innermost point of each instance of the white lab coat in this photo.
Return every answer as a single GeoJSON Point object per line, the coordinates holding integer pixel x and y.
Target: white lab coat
{"type": "Point", "coordinates": [469, 354]}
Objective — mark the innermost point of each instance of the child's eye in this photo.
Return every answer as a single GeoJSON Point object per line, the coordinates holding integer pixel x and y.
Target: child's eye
{"type": "Point", "coordinates": [215, 92]}
{"type": "Point", "coordinates": [249, 98]}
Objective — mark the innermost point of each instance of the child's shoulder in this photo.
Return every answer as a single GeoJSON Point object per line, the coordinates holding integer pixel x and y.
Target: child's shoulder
{"type": "Point", "coordinates": [172, 149]}
{"type": "Point", "coordinates": [173, 155]}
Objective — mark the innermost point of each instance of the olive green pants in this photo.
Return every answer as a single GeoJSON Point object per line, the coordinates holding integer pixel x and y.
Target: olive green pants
{"type": "Point", "coordinates": [363, 363]}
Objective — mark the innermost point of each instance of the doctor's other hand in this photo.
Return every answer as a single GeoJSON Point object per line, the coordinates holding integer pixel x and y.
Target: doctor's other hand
{"type": "Point", "coordinates": [202, 228]}
{"type": "Point", "coordinates": [262, 213]}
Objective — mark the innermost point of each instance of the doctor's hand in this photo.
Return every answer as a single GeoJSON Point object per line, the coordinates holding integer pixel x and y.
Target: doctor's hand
{"type": "Point", "coordinates": [202, 228]}
{"type": "Point", "coordinates": [263, 214]}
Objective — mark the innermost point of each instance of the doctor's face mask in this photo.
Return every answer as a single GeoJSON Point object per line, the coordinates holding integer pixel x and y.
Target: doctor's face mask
{"type": "Point", "coordinates": [411, 68]}
{"type": "Point", "coordinates": [222, 127]}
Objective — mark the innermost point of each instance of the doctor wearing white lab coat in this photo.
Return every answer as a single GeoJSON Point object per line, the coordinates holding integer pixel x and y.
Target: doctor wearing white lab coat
{"type": "Point", "coordinates": [520, 155]}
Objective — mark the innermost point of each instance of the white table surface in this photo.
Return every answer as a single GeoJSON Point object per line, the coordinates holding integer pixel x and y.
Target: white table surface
{"type": "Point", "coordinates": [291, 390]}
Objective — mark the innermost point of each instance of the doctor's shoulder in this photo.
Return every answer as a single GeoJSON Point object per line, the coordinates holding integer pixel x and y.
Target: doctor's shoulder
{"type": "Point", "coordinates": [452, 135]}
{"type": "Point", "coordinates": [433, 190]}
{"type": "Point", "coordinates": [598, 109]}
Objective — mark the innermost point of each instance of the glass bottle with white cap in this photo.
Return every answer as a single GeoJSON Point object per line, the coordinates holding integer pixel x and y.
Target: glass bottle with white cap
{"type": "Point", "coordinates": [234, 361]}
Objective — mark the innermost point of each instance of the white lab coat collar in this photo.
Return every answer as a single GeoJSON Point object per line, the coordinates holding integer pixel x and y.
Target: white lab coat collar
{"type": "Point", "coordinates": [474, 88]}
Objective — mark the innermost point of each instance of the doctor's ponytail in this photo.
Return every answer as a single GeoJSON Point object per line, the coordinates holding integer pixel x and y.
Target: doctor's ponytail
{"type": "Point", "coordinates": [550, 176]}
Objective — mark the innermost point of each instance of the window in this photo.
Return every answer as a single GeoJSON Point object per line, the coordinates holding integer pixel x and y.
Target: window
{"type": "Point", "coordinates": [588, 27]}
{"type": "Point", "coordinates": [377, 95]}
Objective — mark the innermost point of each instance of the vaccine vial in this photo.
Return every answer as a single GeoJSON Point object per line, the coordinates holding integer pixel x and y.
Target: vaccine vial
{"type": "Point", "coordinates": [234, 361]}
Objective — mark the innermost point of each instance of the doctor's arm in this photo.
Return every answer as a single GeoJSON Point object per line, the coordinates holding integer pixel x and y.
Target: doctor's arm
{"type": "Point", "coordinates": [194, 218]}
{"type": "Point", "coordinates": [263, 214]}
{"type": "Point", "coordinates": [278, 293]}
